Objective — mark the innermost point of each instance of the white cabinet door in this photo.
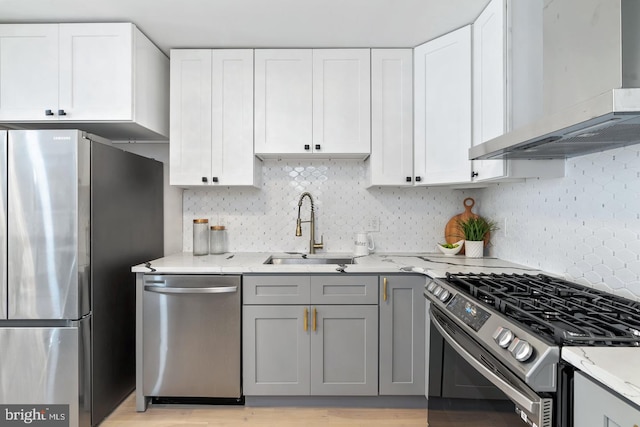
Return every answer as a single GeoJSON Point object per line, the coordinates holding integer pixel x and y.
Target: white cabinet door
{"type": "Point", "coordinates": [341, 101]}
{"type": "Point", "coordinates": [232, 159]}
{"type": "Point", "coordinates": [28, 72]}
{"type": "Point", "coordinates": [190, 112]}
{"type": "Point", "coordinates": [442, 127]}
{"type": "Point", "coordinates": [489, 84]}
{"type": "Point", "coordinates": [283, 101]}
{"type": "Point", "coordinates": [96, 63]}
{"type": "Point", "coordinates": [391, 160]}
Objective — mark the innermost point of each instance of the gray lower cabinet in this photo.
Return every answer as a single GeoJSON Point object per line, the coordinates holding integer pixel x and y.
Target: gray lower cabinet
{"type": "Point", "coordinates": [326, 346]}
{"type": "Point", "coordinates": [402, 335]}
{"type": "Point", "coordinates": [596, 406]}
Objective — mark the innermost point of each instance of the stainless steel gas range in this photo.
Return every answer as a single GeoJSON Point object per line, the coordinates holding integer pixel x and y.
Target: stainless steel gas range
{"type": "Point", "coordinates": [511, 328]}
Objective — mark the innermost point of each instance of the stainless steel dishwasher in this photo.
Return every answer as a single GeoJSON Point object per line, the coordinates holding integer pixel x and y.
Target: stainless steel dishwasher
{"type": "Point", "coordinates": [191, 336]}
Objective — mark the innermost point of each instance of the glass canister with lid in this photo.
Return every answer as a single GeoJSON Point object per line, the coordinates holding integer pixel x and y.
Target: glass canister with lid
{"type": "Point", "coordinates": [218, 239]}
{"type": "Point", "coordinates": [200, 236]}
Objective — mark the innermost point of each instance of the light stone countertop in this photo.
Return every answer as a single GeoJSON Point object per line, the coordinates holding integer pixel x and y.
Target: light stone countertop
{"type": "Point", "coordinates": [434, 265]}
{"type": "Point", "coordinates": [614, 367]}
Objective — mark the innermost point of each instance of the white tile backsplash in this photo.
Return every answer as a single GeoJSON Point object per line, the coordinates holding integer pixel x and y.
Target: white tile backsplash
{"type": "Point", "coordinates": [411, 219]}
{"type": "Point", "coordinates": [585, 226]}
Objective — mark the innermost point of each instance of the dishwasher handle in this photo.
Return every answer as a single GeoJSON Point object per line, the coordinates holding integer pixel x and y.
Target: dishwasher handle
{"type": "Point", "coordinates": [211, 290]}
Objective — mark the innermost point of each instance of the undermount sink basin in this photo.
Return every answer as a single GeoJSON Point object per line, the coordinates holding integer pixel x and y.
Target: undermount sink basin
{"type": "Point", "coordinates": [307, 260]}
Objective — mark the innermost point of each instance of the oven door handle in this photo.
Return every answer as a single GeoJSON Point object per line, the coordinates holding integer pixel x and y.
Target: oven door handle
{"type": "Point", "coordinates": [515, 395]}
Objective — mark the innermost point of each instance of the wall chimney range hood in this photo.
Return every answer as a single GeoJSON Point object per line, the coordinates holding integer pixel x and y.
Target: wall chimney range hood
{"type": "Point", "coordinates": [591, 84]}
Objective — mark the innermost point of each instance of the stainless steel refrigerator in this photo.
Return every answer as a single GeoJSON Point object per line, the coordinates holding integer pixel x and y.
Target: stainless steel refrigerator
{"type": "Point", "coordinates": [76, 214]}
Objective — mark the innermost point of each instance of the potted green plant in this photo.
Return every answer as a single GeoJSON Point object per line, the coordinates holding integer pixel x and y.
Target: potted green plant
{"type": "Point", "coordinates": [476, 232]}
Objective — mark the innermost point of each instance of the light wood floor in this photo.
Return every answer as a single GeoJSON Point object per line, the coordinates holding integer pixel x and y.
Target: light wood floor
{"type": "Point", "coordinates": [231, 416]}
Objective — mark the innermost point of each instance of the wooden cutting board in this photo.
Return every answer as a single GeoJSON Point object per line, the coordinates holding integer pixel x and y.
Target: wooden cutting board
{"type": "Point", "coordinates": [452, 232]}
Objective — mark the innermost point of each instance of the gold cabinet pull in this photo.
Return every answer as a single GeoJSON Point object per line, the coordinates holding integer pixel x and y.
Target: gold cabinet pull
{"type": "Point", "coordinates": [306, 319]}
{"type": "Point", "coordinates": [384, 289]}
{"type": "Point", "coordinates": [315, 319]}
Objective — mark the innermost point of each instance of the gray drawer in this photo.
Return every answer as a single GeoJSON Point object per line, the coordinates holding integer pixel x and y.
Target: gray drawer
{"type": "Point", "coordinates": [266, 290]}
{"type": "Point", "coordinates": [344, 289]}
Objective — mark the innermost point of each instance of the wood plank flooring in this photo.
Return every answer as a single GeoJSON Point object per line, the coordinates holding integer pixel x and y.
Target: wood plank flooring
{"type": "Point", "coordinates": [231, 416]}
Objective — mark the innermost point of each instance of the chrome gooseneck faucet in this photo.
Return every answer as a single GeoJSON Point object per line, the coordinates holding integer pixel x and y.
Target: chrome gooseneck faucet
{"type": "Point", "coordinates": [312, 238]}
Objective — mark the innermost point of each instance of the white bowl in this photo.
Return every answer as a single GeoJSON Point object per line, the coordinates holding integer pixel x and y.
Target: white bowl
{"type": "Point", "coordinates": [453, 251]}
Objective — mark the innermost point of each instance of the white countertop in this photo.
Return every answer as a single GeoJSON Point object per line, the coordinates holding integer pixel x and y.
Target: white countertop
{"type": "Point", "coordinates": [614, 367]}
{"type": "Point", "coordinates": [434, 265]}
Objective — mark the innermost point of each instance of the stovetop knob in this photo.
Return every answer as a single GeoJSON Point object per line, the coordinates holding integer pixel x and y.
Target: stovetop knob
{"type": "Point", "coordinates": [521, 350]}
{"type": "Point", "coordinates": [431, 286]}
{"type": "Point", "coordinates": [503, 337]}
{"type": "Point", "coordinates": [444, 295]}
{"type": "Point", "coordinates": [437, 291]}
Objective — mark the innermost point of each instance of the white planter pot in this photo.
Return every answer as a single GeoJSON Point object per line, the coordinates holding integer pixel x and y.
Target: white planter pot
{"type": "Point", "coordinates": [473, 249]}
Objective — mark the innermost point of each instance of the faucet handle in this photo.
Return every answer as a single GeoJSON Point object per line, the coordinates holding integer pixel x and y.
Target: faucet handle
{"type": "Point", "coordinates": [319, 245]}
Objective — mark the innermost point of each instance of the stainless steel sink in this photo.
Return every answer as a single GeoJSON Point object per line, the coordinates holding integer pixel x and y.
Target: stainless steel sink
{"type": "Point", "coordinates": [276, 260]}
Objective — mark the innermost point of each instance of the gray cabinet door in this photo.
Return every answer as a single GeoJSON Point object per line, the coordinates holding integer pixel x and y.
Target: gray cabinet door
{"type": "Point", "coordinates": [596, 406]}
{"type": "Point", "coordinates": [402, 335]}
{"type": "Point", "coordinates": [275, 350]}
{"type": "Point", "coordinates": [344, 350]}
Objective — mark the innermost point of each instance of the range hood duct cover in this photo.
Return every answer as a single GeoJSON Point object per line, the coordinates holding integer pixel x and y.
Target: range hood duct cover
{"type": "Point", "coordinates": [591, 86]}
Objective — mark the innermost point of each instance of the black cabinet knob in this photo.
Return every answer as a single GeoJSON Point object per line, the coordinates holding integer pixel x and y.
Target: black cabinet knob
{"type": "Point", "coordinates": [214, 179]}
{"type": "Point", "coordinates": [408, 179]}
{"type": "Point", "coordinates": [61, 113]}
{"type": "Point", "coordinates": [307, 147]}
{"type": "Point", "coordinates": [317, 146]}
{"type": "Point", "coordinates": [48, 113]}
{"type": "Point", "coordinates": [204, 179]}
{"type": "Point", "coordinates": [418, 179]}
{"type": "Point", "coordinates": [474, 174]}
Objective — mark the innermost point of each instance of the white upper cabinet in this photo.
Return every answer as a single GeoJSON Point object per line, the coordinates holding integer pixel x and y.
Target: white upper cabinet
{"type": "Point", "coordinates": [107, 78]}
{"type": "Point", "coordinates": [507, 83]}
{"type": "Point", "coordinates": [341, 101]}
{"type": "Point", "coordinates": [489, 84]}
{"type": "Point", "coordinates": [212, 118]}
{"type": "Point", "coordinates": [283, 92]}
{"type": "Point", "coordinates": [489, 78]}
{"type": "Point", "coordinates": [442, 115]}
{"type": "Point", "coordinates": [391, 160]}
{"type": "Point", "coordinates": [314, 102]}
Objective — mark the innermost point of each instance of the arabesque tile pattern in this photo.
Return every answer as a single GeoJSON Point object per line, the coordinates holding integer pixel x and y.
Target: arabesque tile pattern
{"type": "Point", "coordinates": [585, 226]}
{"type": "Point", "coordinates": [410, 219]}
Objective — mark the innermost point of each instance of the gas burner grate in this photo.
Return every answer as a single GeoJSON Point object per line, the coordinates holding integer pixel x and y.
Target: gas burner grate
{"type": "Point", "coordinates": [560, 311]}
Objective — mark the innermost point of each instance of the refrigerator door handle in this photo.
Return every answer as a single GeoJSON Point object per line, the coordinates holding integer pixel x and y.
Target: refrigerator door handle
{"type": "Point", "coordinates": [213, 290]}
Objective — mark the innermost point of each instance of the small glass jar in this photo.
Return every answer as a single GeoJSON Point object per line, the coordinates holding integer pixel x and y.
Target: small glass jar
{"type": "Point", "coordinates": [200, 236]}
{"type": "Point", "coordinates": [218, 240]}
